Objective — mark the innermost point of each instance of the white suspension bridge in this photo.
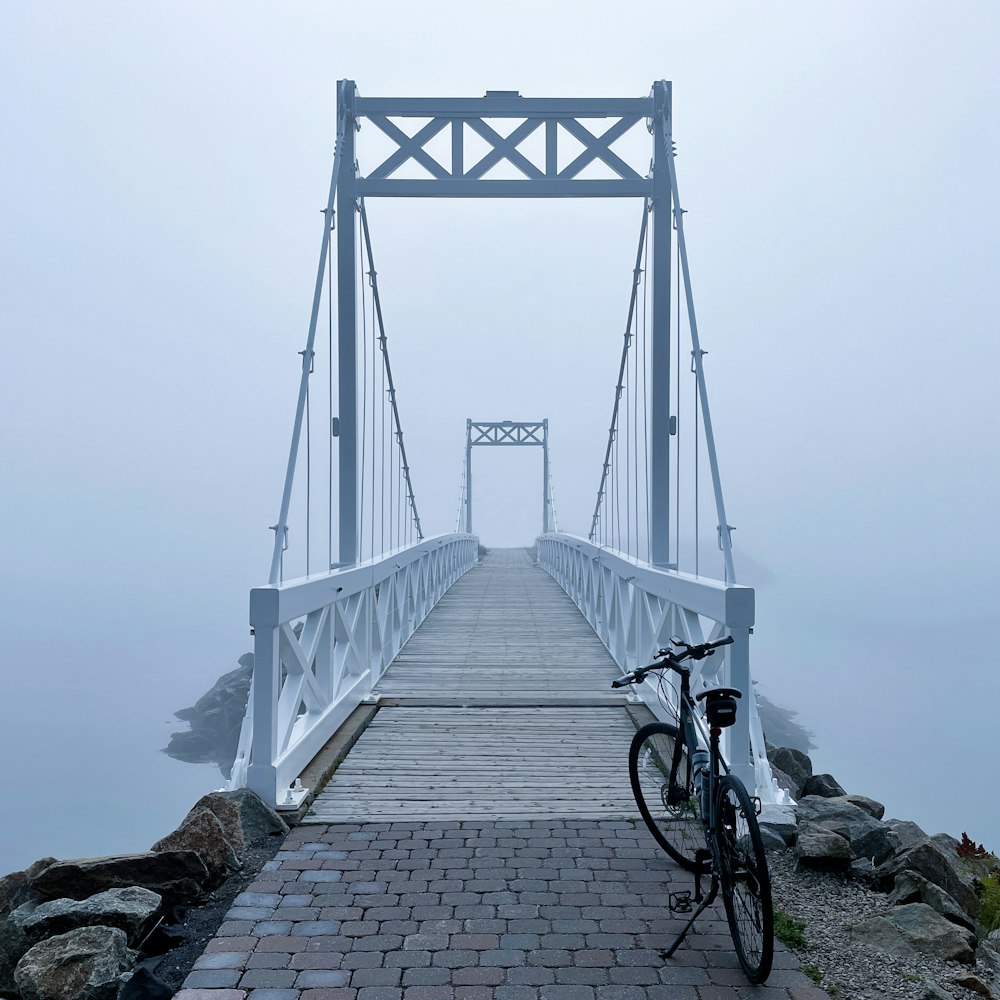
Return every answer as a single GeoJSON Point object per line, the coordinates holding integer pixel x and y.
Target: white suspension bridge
{"type": "Point", "coordinates": [490, 675]}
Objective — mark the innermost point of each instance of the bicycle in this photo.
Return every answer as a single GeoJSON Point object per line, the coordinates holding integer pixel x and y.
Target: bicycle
{"type": "Point", "coordinates": [701, 814]}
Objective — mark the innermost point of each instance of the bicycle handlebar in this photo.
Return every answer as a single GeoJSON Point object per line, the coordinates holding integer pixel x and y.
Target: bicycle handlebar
{"type": "Point", "coordinates": [673, 659]}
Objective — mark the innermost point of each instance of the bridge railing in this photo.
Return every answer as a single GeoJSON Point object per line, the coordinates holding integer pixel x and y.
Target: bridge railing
{"type": "Point", "coordinates": [635, 608]}
{"type": "Point", "coordinates": [321, 644]}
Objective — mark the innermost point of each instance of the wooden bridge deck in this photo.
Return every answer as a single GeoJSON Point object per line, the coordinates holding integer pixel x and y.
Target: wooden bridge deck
{"type": "Point", "coordinates": [499, 707]}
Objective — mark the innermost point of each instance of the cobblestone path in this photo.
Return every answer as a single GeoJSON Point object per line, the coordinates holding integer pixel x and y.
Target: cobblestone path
{"type": "Point", "coordinates": [512, 910]}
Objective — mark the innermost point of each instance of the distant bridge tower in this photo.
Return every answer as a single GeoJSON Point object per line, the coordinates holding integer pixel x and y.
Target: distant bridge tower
{"type": "Point", "coordinates": [492, 434]}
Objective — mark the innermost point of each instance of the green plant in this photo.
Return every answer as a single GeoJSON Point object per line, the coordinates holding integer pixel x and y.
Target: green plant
{"type": "Point", "coordinates": [911, 977]}
{"type": "Point", "coordinates": [989, 915]}
{"type": "Point", "coordinates": [788, 930]}
{"type": "Point", "coordinates": [813, 972]}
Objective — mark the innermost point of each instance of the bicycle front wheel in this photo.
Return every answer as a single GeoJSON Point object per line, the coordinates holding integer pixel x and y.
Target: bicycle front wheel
{"type": "Point", "coordinates": [746, 883]}
{"type": "Point", "coordinates": [659, 769]}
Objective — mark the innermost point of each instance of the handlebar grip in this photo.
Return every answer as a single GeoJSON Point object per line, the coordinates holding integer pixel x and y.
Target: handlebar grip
{"type": "Point", "coordinates": [622, 681]}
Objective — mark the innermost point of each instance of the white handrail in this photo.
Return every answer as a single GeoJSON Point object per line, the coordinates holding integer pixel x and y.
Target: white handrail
{"type": "Point", "coordinates": [635, 608]}
{"type": "Point", "coordinates": [321, 643]}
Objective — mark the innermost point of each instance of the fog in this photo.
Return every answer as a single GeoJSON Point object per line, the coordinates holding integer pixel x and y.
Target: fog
{"type": "Point", "coordinates": [163, 170]}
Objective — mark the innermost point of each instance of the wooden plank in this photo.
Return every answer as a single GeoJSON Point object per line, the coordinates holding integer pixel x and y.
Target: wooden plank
{"type": "Point", "coordinates": [499, 707]}
{"type": "Point", "coordinates": [484, 763]}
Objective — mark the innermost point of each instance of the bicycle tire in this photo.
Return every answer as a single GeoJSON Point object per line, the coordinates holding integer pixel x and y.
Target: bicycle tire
{"type": "Point", "coordinates": [745, 880]}
{"type": "Point", "coordinates": [663, 792]}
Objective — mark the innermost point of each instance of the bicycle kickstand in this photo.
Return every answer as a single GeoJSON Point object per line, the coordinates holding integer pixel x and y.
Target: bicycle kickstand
{"type": "Point", "coordinates": [681, 902]}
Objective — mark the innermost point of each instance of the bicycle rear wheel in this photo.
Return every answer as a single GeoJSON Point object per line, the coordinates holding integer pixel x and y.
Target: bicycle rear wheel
{"type": "Point", "coordinates": [746, 883]}
{"type": "Point", "coordinates": [660, 772]}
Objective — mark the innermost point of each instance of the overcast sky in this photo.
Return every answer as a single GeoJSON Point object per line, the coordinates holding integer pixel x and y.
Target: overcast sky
{"type": "Point", "coordinates": [163, 169]}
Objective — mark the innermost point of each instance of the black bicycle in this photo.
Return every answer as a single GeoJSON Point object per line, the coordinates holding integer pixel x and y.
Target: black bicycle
{"type": "Point", "coordinates": [701, 814]}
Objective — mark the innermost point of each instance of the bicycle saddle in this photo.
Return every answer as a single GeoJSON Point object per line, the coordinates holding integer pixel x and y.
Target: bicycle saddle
{"type": "Point", "coordinates": [719, 693]}
{"type": "Point", "coordinates": [720, 706]}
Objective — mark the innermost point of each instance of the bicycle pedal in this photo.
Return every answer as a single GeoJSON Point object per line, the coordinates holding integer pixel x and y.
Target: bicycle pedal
{"type": "Point", "coordinates": [680, 902]}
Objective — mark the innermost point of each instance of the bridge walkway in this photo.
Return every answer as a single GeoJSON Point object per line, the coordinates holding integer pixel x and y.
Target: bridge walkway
{"type": "Point", "coordinates": [499, 707]}
{"type": "Point", "coordinates": [479, 840]}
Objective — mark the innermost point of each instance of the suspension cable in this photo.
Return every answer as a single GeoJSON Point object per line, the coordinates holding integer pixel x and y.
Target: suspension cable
{"type": "Point", "coordinates": [725, 538]}
{"type": "Point", "coordinates": [621, 368]}
{"type": "Point", "coordinates": [388, 371]}
{"type": "Point", "coordinates": [281, 527]}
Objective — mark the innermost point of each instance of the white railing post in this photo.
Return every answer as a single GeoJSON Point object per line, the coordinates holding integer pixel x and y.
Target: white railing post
{"type": "Point", "coordinates": [308, 680]}
{"type": "Point", "coordinates": [261, 775]}
{"type": "Point", "coordinates": [635, 607]}
{"type": "Point", "coordinates": [738, 658]}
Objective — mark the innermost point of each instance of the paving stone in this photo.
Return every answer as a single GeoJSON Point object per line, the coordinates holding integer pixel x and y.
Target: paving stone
{"type": "Point", "coordinates": [268, 977]}
{"type": "Point", "coordinates": [322, 977]}
{"type": "Point", "coordinates": [463, 911]}
{"type": "Point", "coordinates": [211, 978]}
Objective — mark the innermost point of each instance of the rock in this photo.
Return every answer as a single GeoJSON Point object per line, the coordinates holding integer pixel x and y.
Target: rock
{"type": "Point", "coordinates": [130, 910]}
{"type": "Point", "coordinates": [912, 887]}
{"type": "Point", "coordinates": [85, 964]}
{"type": "Point", "coordinates": [178, 876]}
{"type": "Point", "coordinates": [144, 985]}
{"type": "Point", "coordinates": [822, 784]}
{"type": "Point", "coordinates": [908, 832]}
{"type": "Point", "coordinates": [932, 935]}
{"type": "Point", "coordinates": [784, 830]}
{"type": "Point", "coordinates": [15, 888]}
{"type": "Point", "coordinates": [934, 992]}
{"type": "Point", "coordinates": [795, 764]}
{"type": "Point", "coordinates": [201, 831]}
{"type": "Point", "coordinates": [821, 848]}
{"type": "Point", "coordinates": [244, 815]}
{"type": "Point", "coordinates": [988, 956]}
{"type": "Point", "coordinates": [867, 836]}
{"type": "Point", "coordinates": [772, 840]}
{"type": "Point", "coordinates": [970, 981]}
{"type": "Point", "coordinates": [215, 720]}
{"type": "Point", "coordinates": [926, 858]}
{"type": "Point", "coordinates": [870, 806]}
{"type": "Point", "coordinates": [917, 929]}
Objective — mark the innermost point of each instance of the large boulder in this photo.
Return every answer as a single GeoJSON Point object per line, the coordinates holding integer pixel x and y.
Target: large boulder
{"type": "Point", "coordinates": [912, 887]}
{"type": "Point", "coordinates": [907, 831]}
{"type": "Point", "coordinates": [822, 784]}
{"type": "Point", "coordinates": [822, 848]}
{"type": "Point", "coordinates": [15, 888]}
{"type": "Point", "coordinates": [927, 859]}
{"type": "Point", "coordinates": [86, 964]}
{"type": "Point", "coordinates": [177, 876]}
{"type": "Point", "coordinates": [867, 836]}
{"type": "Point", "coordinates": [793, 763]}
{"type": "Point", "coordinates": [245, 817]}
{"type": "Point", "coordinates": [130, 910]}
{"type": "Point", "coordinates": [917, 929]}
{"type": "Point", "coordinates": [202, 832]}
{"type": "Point", "coordinates": [870, 806]}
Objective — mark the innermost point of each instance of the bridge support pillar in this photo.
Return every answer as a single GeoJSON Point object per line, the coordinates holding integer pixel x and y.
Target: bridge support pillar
{"type": "Point", "coordinates": [347, 333]}
{"type": "Point", "coordinates": [468, 477]}
{"type": "Point", "coordinates": [659, 374]}
{"type": "Point", "coordinates": [546, 505]}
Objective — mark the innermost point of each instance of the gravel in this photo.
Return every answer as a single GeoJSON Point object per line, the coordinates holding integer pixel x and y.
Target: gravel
{"type": "Point", "coordinates": [830, 905]}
